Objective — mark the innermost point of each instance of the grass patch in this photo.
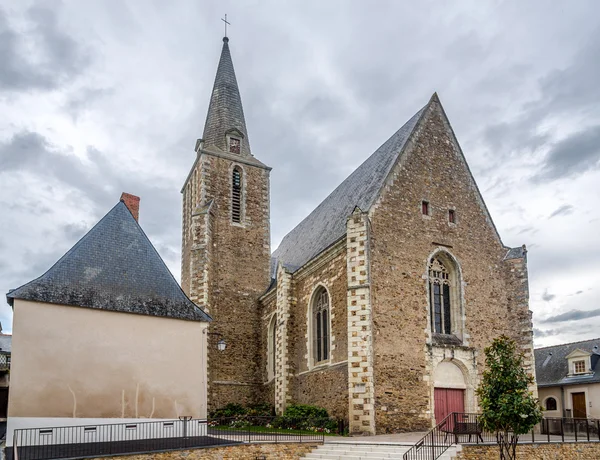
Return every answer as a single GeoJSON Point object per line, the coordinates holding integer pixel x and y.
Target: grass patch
{"type": "Point", "coordinates": [264, 429]}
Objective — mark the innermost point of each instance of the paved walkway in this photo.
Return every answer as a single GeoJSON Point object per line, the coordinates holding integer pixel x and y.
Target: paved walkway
{"type": "Point", "coordinates": [405, 439]}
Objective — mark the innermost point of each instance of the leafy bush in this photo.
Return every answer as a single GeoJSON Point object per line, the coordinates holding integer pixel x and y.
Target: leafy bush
{"type": "Point", "coordinates": [306, 417]}
{"type": "Point", "coordinates": [305, 411]}
{"type": "Point", "coordinates": [296, 417]}
{"type": "Point", "coordinates": [260, 410]}
{"type": "Point", "coordinates": [230, 410]}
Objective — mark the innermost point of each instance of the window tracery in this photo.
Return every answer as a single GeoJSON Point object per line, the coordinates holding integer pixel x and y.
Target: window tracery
{"type": "Point", "coordinates": [320, 321]}
{"type": "Point", "coordinates": [440, 283]}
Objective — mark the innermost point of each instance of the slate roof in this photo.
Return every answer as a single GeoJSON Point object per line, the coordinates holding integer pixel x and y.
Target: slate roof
{"type": "Point", "coordinates": [551, 364]}
{"type": "Point", "coordinates": [5, 343]}
{"type": "Point", "coordinates": [327, 223]}
{"type": "Point", "coordinates": [516, 253]}
{"type": "Point", "coordinates": [225, 110]}
{"type": "Point", "coordinates": [113, 267]}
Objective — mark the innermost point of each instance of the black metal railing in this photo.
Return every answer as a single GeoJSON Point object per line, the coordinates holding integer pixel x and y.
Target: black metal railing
{"type": "Point", "coordinates": [4, 362]}
{"type": "Point", "coordinates": [141, 437]}
{"type": "Point", "coordinates": [460, 428]}
{"type": "Point", "coordinates": [434, 443]}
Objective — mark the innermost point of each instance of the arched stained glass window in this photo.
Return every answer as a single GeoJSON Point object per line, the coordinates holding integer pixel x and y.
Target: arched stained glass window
{"type": "Point", "coordinates": [320, 319]}
{"type": "Point", "coordinates": [440, 282]}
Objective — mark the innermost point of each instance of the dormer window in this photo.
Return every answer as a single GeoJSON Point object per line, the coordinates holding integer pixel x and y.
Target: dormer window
{"type": "Point", "coordinates": [579, 362]}
{"type": "Point", "coordinates": [235, 145]}
{"type": "Point", "coordinates": [579, 367]}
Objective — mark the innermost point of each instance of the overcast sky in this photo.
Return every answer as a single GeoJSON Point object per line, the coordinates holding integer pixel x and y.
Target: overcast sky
{"type": "Point", "coordinates": [99, 97]}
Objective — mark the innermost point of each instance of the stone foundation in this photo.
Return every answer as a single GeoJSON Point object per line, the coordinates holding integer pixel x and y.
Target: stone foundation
{"type": "Point", "coordinates": [248, 452]}
{"type": "Point", "coordinates": [562, 451]}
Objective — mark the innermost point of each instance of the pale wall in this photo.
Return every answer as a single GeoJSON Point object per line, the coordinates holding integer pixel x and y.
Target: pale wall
{"type": "Point", "coordinates": [85, 363]}
{"type": "Point", "coordinates": [592, 398]}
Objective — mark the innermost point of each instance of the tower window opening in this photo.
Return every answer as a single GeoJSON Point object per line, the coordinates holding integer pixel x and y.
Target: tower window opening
{"type": "Point", "coordinates": [452, 216]}
{"type": "Point", "coordinates": [425, 208]}
{"type": "Point", "coordinates": [234, 145]}
{"type": "Point", "coordinates": [236, 196]}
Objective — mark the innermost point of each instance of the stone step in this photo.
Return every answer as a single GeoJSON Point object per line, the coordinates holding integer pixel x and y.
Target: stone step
{"type": "Point", "coordinates": [349, 456]}
{"type": "Point", "coordinates": [363, 448]}
{"type": "Point", "coordinates": [366, 451]}
{"type": "Point", "coordinates": [373, 454]}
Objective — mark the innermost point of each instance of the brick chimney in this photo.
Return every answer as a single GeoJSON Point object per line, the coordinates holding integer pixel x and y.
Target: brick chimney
{"type": "Point", "coordinates": [133, 204]}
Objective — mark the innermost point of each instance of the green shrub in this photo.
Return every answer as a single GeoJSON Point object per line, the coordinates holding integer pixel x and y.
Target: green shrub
{"type": "Point", "coordinates": [306, 417]}
{"type": "Point", "coordinates": [230, 410]}
{"type": "Point", "coordinates": [305, 411]}
{"type": "Point", "coordinates": [260, 410]}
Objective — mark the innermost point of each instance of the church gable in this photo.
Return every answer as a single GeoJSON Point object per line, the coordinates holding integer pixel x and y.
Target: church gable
{"type": "Point", "coordinates": [440, 151]}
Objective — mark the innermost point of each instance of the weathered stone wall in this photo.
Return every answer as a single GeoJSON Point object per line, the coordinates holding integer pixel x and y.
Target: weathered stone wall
{"type": "Point", "coordinates": [235, 261]}
{"type": "Point", "coordinates": [325, 385]}
{"type": "Point", "coordinates": [562, 451]}
{"type": "Point", "coordinates": [326, 388]}
{"type": "Point", "coordinates": [268, 308]}
{"type": "Point", "coordinates": [402, 241]}
{"type": "Point", "coordinates": [247, 452]}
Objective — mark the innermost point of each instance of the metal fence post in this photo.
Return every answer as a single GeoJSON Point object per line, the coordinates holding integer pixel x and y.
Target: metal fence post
{"type": "Point", "coordinates": [15, 450]}
{"type": "Point", "coordinates": [587, 428]}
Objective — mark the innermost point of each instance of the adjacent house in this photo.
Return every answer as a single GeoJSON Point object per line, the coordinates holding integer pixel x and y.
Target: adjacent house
{"type": "Point", "coordinates": [106, 335]}
{"type": "Point", "coordinates": [568, 379]}
{"type": "Point", "coordinates": [5, 352]}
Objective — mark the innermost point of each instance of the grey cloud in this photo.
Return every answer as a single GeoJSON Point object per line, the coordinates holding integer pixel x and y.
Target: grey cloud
{"type": "Point", "coordinates": [58, 57]}
{"type": "Point", "coordinates": [24, 148]}
{"type": "Point", "coordinates": [564, 210]}
{"type": "Point", "coordinates": [572, 315]}
{"type": "Point", "coordinates": [74, 232]}
{"type": "Point", "coordinates": [572, 156]}
{"type": "Point", "coordinates": [547, 297]}
{"type": "Point", "coordinates": [32, 154]}
{"type": "Point", "coordinates": [573, 88]}
{"type": "Point", "coordinates": [563, 93]}
{"type": "Point", "coordinates": [84, 99]}
{"type": "Point", "coordinates": [539, 333]}
{"type": "Point", "coordinates": [530, 230]}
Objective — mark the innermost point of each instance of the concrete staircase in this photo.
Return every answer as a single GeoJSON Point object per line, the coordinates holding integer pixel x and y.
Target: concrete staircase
{"type": "Point", "coordinates": [346, 450]}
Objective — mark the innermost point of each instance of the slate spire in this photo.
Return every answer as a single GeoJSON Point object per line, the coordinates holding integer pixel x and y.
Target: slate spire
{"type": "Point", "coordinates": [225, 112]}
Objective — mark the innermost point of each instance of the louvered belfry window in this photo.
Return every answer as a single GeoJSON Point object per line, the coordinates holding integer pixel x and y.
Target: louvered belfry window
{"type": "Point", "coordinates": [236, 196]}
{"type": "Point", "coordinates": [439, 289]}
{"type": "Point", "coordinates": [321, 326]}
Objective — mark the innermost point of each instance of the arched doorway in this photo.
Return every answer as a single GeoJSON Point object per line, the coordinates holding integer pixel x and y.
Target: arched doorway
{"type": "Point", "coordinates": [449, 390]}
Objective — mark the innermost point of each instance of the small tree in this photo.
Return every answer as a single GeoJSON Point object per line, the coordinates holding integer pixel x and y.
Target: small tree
{"type": "Point", "coordinates": [508, 407]}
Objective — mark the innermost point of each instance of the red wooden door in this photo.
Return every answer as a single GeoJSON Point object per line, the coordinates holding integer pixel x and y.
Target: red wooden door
{"type": "Point", "coordinates": [448, 400]}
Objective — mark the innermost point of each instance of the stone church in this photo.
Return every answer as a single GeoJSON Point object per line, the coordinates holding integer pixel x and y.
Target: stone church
{"type": "Point", "coordinates": [378, 305]}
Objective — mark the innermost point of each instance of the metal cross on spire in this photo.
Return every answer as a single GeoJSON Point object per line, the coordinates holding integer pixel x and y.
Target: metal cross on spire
{"type": "Point", "coordinates": [226, 24]}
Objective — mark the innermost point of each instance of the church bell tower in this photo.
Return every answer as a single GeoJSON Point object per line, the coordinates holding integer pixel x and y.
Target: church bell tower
{"type": "Point", "coordinates": [226, 241]}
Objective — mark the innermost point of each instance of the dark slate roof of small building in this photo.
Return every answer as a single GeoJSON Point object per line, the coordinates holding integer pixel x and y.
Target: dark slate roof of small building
{"type": "Point", "coordinates": [516, 253]}
{"type": "Point", "coordinates": [5, 343]}
{"type": "Point", "coordinates": [327, 223]}
{"type": "Point", "coordinates": [551, 364]}
{"type": "Point", "coordinates": [225, 111]}
{"type": "Point", "coordinates": [113, 267]}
